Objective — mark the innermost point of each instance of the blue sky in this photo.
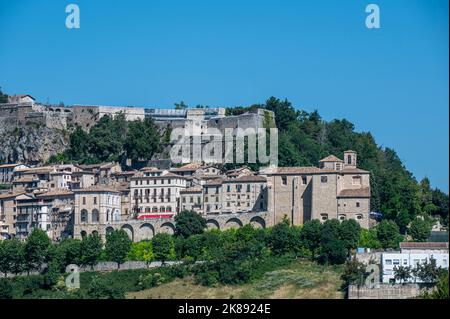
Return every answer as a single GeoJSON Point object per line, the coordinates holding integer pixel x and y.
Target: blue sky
{"type": "Point", "coordinates": [391, 81]}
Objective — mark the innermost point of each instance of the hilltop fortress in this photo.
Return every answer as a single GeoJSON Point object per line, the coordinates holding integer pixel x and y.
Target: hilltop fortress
{"type": "Point", "coordinates": [23, 109]}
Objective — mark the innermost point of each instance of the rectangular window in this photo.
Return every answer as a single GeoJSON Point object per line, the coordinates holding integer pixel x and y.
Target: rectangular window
{"type": "Point", "coordinates": [284, 180]}
{"type": "Point", "coordinates": [248, 188]}
{"type": "Point", "coordinates": [396, 262]}
{"type": "Point", "coordinates": [388, 261]}
{"type": "Point", "coordinates": [356, 180]}
{"type": "Point", "coordinates": [228, 188]}
{"type": "Point", "coordinates": [304, 181]}
{"type": "Point", "coordinates": [84, 200]}
{"type": "Point", "coordinates": [357, 204]}
{"type": "Point", "coordinates": [324, 179]}
{"type": "Point", "coordinates": [95, 200]}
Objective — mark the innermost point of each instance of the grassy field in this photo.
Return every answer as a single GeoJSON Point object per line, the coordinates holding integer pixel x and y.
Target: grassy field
{"type": "Point", "coordinates": [300, 280]}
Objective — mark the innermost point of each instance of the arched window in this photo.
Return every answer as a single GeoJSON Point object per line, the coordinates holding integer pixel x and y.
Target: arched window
{"type": "Point", "coordinates": [83, 234]}
{"type": "Point", "coordinates": [168, 209]}
{"type": "Point", "coordinates": [349, 159]}
{"type": "Point", "coordinates": [95, 216]}
{"type": "Point", "coordinates": [162, 209]}
{"type": "Point", "coordinates": [154, 210]}
{"type": "Point", "coordinates": [147, 209]}
{"type": "Point", "coordinates": [342, 217]}
{"type": "Point", "coordinates": [84, 216]}
{"type": "Point", "coordinates": [324, 217]}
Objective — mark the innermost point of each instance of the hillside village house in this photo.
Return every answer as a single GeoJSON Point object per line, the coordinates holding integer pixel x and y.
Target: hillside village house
{"type": "Point", "coordinates": [156, 192]}
{"type": "Point", "coordinates": [7, 172]}
{"type": "Point", "coordinates": [76, 200]}
{"type": "Point", "coordinates": [94, 206]}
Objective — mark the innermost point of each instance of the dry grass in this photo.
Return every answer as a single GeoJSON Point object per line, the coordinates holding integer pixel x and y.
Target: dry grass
{"type": "Point", "coordinates": [300, 280]}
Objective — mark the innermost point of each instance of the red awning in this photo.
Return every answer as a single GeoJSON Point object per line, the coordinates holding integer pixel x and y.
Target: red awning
{"type": "Point", "coordinates": [155, 216]}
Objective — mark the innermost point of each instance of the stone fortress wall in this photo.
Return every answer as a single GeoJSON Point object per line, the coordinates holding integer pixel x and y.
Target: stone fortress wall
{"type": "Point", "coordinates": [196, 120]}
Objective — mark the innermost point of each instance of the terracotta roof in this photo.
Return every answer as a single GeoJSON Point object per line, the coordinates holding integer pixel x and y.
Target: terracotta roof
{"type": "Point", "coordinates": [10, 195]}
{"type": "Point", "coordinates": [97, 188]}
{"type": "Point", "coordinates": [360, 192]}
{"type": "Point", "coordinates": [246, 178]}
{"type": "Point", "coordinates": [190, 167]}
{"type": "Point", "coordinates": [9, 165]}
{"type": "Point", "coordinates": [39, 170]}
{"type": "Point", "coordinates": [215, 181]}
{"type": "Point", "coordinates": [56, 192]}
{"type": "Point", "coordinates": [25, 179]}
{"type": "Point", "coordinates": [195, 189]}
{"type": "Point", "coordinates": [331, 158]}
{"type": "Point", "coordinates": [311, 170]}
{"type": "Point", "coordinates": [425, 245]}
{"type": "Point", "coordinates": [125, 173]}
{"type": "Point", "coordinates": [298, 170]}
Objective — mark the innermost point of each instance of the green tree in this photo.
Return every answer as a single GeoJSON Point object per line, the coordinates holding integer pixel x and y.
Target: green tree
{"type": "Point", "coordinates": [349, 233]}
{"type": "Point", "coordinates": [428, 271]}
{"type": "Point", "coordinates": [420, 230]}
{"type": "Point", "coordinates": [163, 247]}
{"type": "Point", "coordinates": [6, 288]}
{"type": "Point", "coordinates": [368, 239]}
{"type": "Point", "coordinates": [354, 273]}
{"type": "Point", "coordinates": [403, 221]}
{"type": "Point", "coordinates": [71, 249]}
{"type": "Point", "coordinates": [141, 251]}
{"type": "Point", "coordinates": [440, 291]}
{"type": "Point", "coordinates": [3, 97]}
{"type": "Point", "coordinates": [388, 234]}
{"type": "Point", "coordinates": [117, 246]}
{"type": "Point", "coordinates": [402, 273]}
{"type": "Point", "coordinates": [35, 249]}
{"type": "Point", "coordinates": [101, 288]}
{"type": "Point", "coordinates": [333, 249]}
{"type": "Point", "coordinates": [142, 140]}
{"type": "Point", "coordinates": [180, 106]}
{"type": "Point", "coordinates": [284, 239]}
{"type": "Point", "coordinates": [91, 250]}
{"type": "Point", "coordinates": [311, 235]}
{"type": "Point", "coordinates": [189, 223]}
{"type": "Point", "coordinates": [12, 259]}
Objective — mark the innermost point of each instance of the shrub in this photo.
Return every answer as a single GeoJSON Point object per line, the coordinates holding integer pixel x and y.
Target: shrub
{"type": "Point", "coordinates": [6, 289]}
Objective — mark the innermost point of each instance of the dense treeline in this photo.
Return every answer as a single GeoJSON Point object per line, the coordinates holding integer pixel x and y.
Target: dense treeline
{"type": "Point", "coordinates": [113, 139]}
{"type": "Point", "coordinates": [213, 257]}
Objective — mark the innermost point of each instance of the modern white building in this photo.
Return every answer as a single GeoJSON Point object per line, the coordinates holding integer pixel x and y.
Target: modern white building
{"type": "Point", "coordinates": [411, 255]}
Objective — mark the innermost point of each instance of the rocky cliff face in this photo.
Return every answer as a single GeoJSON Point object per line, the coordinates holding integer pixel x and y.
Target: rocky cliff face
{"type": "Point", "coordinates": [30, 143]}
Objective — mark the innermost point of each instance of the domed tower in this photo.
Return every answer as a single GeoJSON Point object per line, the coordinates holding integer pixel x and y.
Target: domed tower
{"type": "Point", "coordinates": [350, 159]}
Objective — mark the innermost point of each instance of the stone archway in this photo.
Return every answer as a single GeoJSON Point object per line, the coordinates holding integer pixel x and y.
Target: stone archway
{"type": "Point", "coordinates": [109, 229]}
{"type": "Point", "coordinates": [233, 223]}
{"type": "Point", "coordinates": [212, 224]}
{"type": "Point", "coordinates": [167, 228]}
{"type": "Point", "coordinates": [129, 230]}
{"type": "Point", "coordinates": [258, 222]}
{"type": "Point", "coordinates": [146, 231]}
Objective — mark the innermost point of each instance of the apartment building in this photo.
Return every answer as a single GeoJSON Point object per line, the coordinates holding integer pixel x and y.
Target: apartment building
{"type": "Point", "coordinates": [155, 192]}
{"type": "Point", "coordinates": [8, 215]}
{"type": "Point", "coordinates": [411, 255]}
{"type": "Point", "coordinates": [94, 206]}
{"type": "Point", "coordinates": [235, 195]}
{"type": "Point", "coordinates": [7, 172]}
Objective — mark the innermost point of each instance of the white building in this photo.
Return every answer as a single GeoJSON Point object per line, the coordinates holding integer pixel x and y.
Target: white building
{"type": "Point", "coordinates": [411, 255]}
